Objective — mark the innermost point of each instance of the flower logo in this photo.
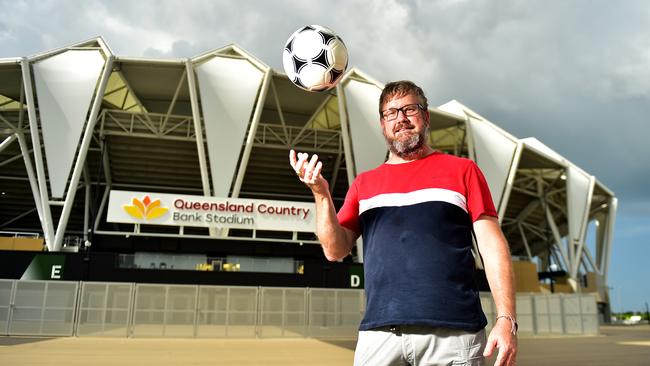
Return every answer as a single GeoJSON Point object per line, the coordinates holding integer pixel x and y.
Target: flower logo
{"type": "Point", "coordinates": [145, 209]}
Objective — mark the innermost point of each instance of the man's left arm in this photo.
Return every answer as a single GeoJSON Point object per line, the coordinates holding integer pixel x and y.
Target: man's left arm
{"type": "Point", "coordinates": [498, 269]}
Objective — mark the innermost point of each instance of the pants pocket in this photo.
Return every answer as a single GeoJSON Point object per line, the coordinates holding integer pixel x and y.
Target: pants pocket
{"type": "Point", "coordinates": [471, 351]}
{"type": "Point", "coordinates": [472, 356]}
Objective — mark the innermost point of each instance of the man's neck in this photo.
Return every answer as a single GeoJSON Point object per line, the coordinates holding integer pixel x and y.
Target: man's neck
{"type": "Point", "coordinates": [420, 153]}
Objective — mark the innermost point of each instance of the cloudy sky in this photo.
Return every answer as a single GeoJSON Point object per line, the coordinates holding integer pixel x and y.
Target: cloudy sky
{"type": "Point", "coordinates": [574, 74]}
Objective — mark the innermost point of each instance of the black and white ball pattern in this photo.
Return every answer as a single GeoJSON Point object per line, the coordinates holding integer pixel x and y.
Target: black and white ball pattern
{"type": "Point", "coordinates": [315, 58]}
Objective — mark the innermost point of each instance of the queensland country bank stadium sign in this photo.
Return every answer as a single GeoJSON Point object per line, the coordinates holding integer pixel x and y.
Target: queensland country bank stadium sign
{"type": "Point", "coordinates": [182, 210]}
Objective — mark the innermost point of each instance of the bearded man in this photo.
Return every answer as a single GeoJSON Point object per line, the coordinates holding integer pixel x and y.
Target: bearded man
{"type": "Point", "coordinates": [416, 214]}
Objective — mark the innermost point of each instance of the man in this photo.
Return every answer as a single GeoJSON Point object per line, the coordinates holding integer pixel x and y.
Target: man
{"type": "Point", "coordinates": [416, 213]}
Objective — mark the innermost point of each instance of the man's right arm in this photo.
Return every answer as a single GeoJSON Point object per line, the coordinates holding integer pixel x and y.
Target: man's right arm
{"type": "Point", "coordinates": [337, 241]}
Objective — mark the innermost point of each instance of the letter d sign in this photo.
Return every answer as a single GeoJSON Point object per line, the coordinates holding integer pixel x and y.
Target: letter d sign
{"type": "Point", "coordinates": [356, 276]}
{"type": "Point", "coordinates": [355, 280]}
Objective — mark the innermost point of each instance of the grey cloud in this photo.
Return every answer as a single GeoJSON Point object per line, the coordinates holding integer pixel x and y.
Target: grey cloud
{"type": "Point", "coordinates": [179, 49]}
{"type": "Point", "coordinates": [574, 74]}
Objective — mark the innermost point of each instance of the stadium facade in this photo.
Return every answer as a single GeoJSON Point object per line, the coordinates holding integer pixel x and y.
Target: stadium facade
{"type": "Point", "coordinates": [176, 171]}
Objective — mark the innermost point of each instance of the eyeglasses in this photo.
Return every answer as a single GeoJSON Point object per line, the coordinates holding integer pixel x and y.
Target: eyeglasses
{"type": "Point", "coordinates": [408, 110]}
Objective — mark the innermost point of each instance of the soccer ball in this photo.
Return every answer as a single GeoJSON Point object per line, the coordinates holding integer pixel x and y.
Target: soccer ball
{"type": "Point", "coordinates": [314, 58]}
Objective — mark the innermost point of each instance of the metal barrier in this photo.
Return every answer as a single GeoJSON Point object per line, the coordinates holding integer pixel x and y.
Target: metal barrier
{"type": "Point", "coordinates": [6, 295]}
{"type": "Point", "coordinates": [58, 308]}
{"type": "Point", "coordinates": [44, 308]}
{"type": "Point", "coordinates": [334, 312]}
{"type": "Point", "coordinates": [228, 311]}
{"type": "Point", "coordinates": [105, 309]}
{"type": "Point", "coordinates": [283, 312]}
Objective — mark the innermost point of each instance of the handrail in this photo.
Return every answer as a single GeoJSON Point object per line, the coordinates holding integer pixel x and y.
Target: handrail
{"type": "Point", "coordinates": [180, 127]}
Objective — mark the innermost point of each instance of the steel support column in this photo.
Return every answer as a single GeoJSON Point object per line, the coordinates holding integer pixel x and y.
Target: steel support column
{"type": "Point", "coordinates": [101, 208]}
{"type": "Point", "coordinates": [278, 105]}
{"type": "Point", "coordinates": [198, 128]}
{"type": "Point", "coordinates": [611, 220]}
{"type": "Point", "coordinates": [345, 134]}
{"type": "Point", "coordinates": [510, 180]}
{"type": "Point", "coordinates": [250, 140]}
{"type": "Point", "coordinates": [579, 246]}
{"type": "Point", "coordinates": [556, 235]}
{"type": "Point", "coordinates": [198, 133]}
{"type": "Point", "coordinates": [590, 260]}
{"type": "Point", "coordinates": [350, 167]}
{"type": "Point", "coordinates": [33, 183]}
{"type": "Point", "coordinates": [83, 151]}
{"type": "Point", "coordinates": [47, 224]}
{"type": "Point", "coordinates": [7, 142]}
{"type": "Point", "coordinates": [86, 202]}
{"type": "Point", "coordinates": [525, 241]}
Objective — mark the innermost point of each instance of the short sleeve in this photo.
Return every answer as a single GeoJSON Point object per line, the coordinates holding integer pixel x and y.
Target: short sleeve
{"type": "Point", "coordinates": [479, 199]}
{"type": "Point", "coordinates": [348, 215]}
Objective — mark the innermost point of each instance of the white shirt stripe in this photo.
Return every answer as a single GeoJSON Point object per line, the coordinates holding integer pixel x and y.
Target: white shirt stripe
{"type": "Point", "coordinates": [412, 198]}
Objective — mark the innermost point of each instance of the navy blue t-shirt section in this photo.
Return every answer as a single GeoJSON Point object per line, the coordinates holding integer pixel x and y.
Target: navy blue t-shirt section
{"type": "Point", "coordinates": [431, 236]}
{"type": "Point", "coordinates": [415, 219]}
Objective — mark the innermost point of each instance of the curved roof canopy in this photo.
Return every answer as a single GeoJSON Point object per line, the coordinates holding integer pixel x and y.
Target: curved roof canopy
{"type": "Point", "coordinates": [222, 123]}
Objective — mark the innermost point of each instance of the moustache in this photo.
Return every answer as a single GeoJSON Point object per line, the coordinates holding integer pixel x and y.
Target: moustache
{"type": "Point", "coordinates": [403, 126]}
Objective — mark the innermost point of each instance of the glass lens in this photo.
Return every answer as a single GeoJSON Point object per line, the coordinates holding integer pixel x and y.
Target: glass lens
{"type": "Point", "coordinates": [410, 109]}
{"type": "Point", "coordinates": [390, 113]}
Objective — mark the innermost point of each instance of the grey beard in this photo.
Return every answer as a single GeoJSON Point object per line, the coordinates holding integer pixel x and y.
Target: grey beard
{"type": "Point", "coordinates": [407, 148]}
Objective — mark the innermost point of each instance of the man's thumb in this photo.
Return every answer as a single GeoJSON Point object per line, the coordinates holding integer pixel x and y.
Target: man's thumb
{"type": "Point", "coordinates": [489, 348]}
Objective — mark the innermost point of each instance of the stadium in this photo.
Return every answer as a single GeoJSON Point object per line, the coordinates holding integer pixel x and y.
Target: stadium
{"type": "Point", "coordinates": [127, 183]}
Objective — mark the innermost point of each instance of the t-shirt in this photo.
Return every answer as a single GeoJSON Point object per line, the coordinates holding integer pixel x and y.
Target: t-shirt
{"type": "Point", "coordinates": [416, 219]}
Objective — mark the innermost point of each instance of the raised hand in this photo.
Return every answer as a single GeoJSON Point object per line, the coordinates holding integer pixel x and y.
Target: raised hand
{"type": "Point", "coordinates": [308, 171]}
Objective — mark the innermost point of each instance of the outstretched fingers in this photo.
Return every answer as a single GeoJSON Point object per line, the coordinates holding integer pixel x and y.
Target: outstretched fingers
{"type": "Point", "coordinates": [293, 159]}
{"type": "Point", "coordinates": [297, 162]}
{"type": "Point", "coordinates": [314, 173]}
{"type": "Point", "coordinates": [307, 169]}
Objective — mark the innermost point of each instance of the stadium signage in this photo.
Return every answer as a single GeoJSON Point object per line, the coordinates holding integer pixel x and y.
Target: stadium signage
{"type": "Point", "coordinates": [202, 211]}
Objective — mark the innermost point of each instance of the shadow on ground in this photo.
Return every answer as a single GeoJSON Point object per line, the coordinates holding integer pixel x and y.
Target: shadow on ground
{"type": "Point", "coordinates": [350, 344]}
{"type": "Point", "coordinates": [13, 341]}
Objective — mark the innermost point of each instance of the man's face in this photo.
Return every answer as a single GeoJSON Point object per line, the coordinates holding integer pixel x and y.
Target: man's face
{"type": "Point", "coordinates": [405, 134]}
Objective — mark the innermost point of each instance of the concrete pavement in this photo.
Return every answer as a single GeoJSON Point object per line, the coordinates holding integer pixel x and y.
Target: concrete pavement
{"type": "Point", "coordinates": [616, 345]}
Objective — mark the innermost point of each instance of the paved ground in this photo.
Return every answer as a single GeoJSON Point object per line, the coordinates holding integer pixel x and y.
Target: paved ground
{"type": "Point", "coordinates": [620, 345]}
{"type": "Point", "coordinates": [616, 345]}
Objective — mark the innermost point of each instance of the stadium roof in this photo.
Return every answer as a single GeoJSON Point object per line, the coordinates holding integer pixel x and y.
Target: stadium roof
{"type": "Point", "coordinates": [138, 131]}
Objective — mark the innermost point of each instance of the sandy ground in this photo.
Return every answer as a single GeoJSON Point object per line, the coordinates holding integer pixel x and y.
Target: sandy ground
{"type": "Point", "coordinates": [74, 351]}
{"type": "Point", "coordinates": [614, 346]}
